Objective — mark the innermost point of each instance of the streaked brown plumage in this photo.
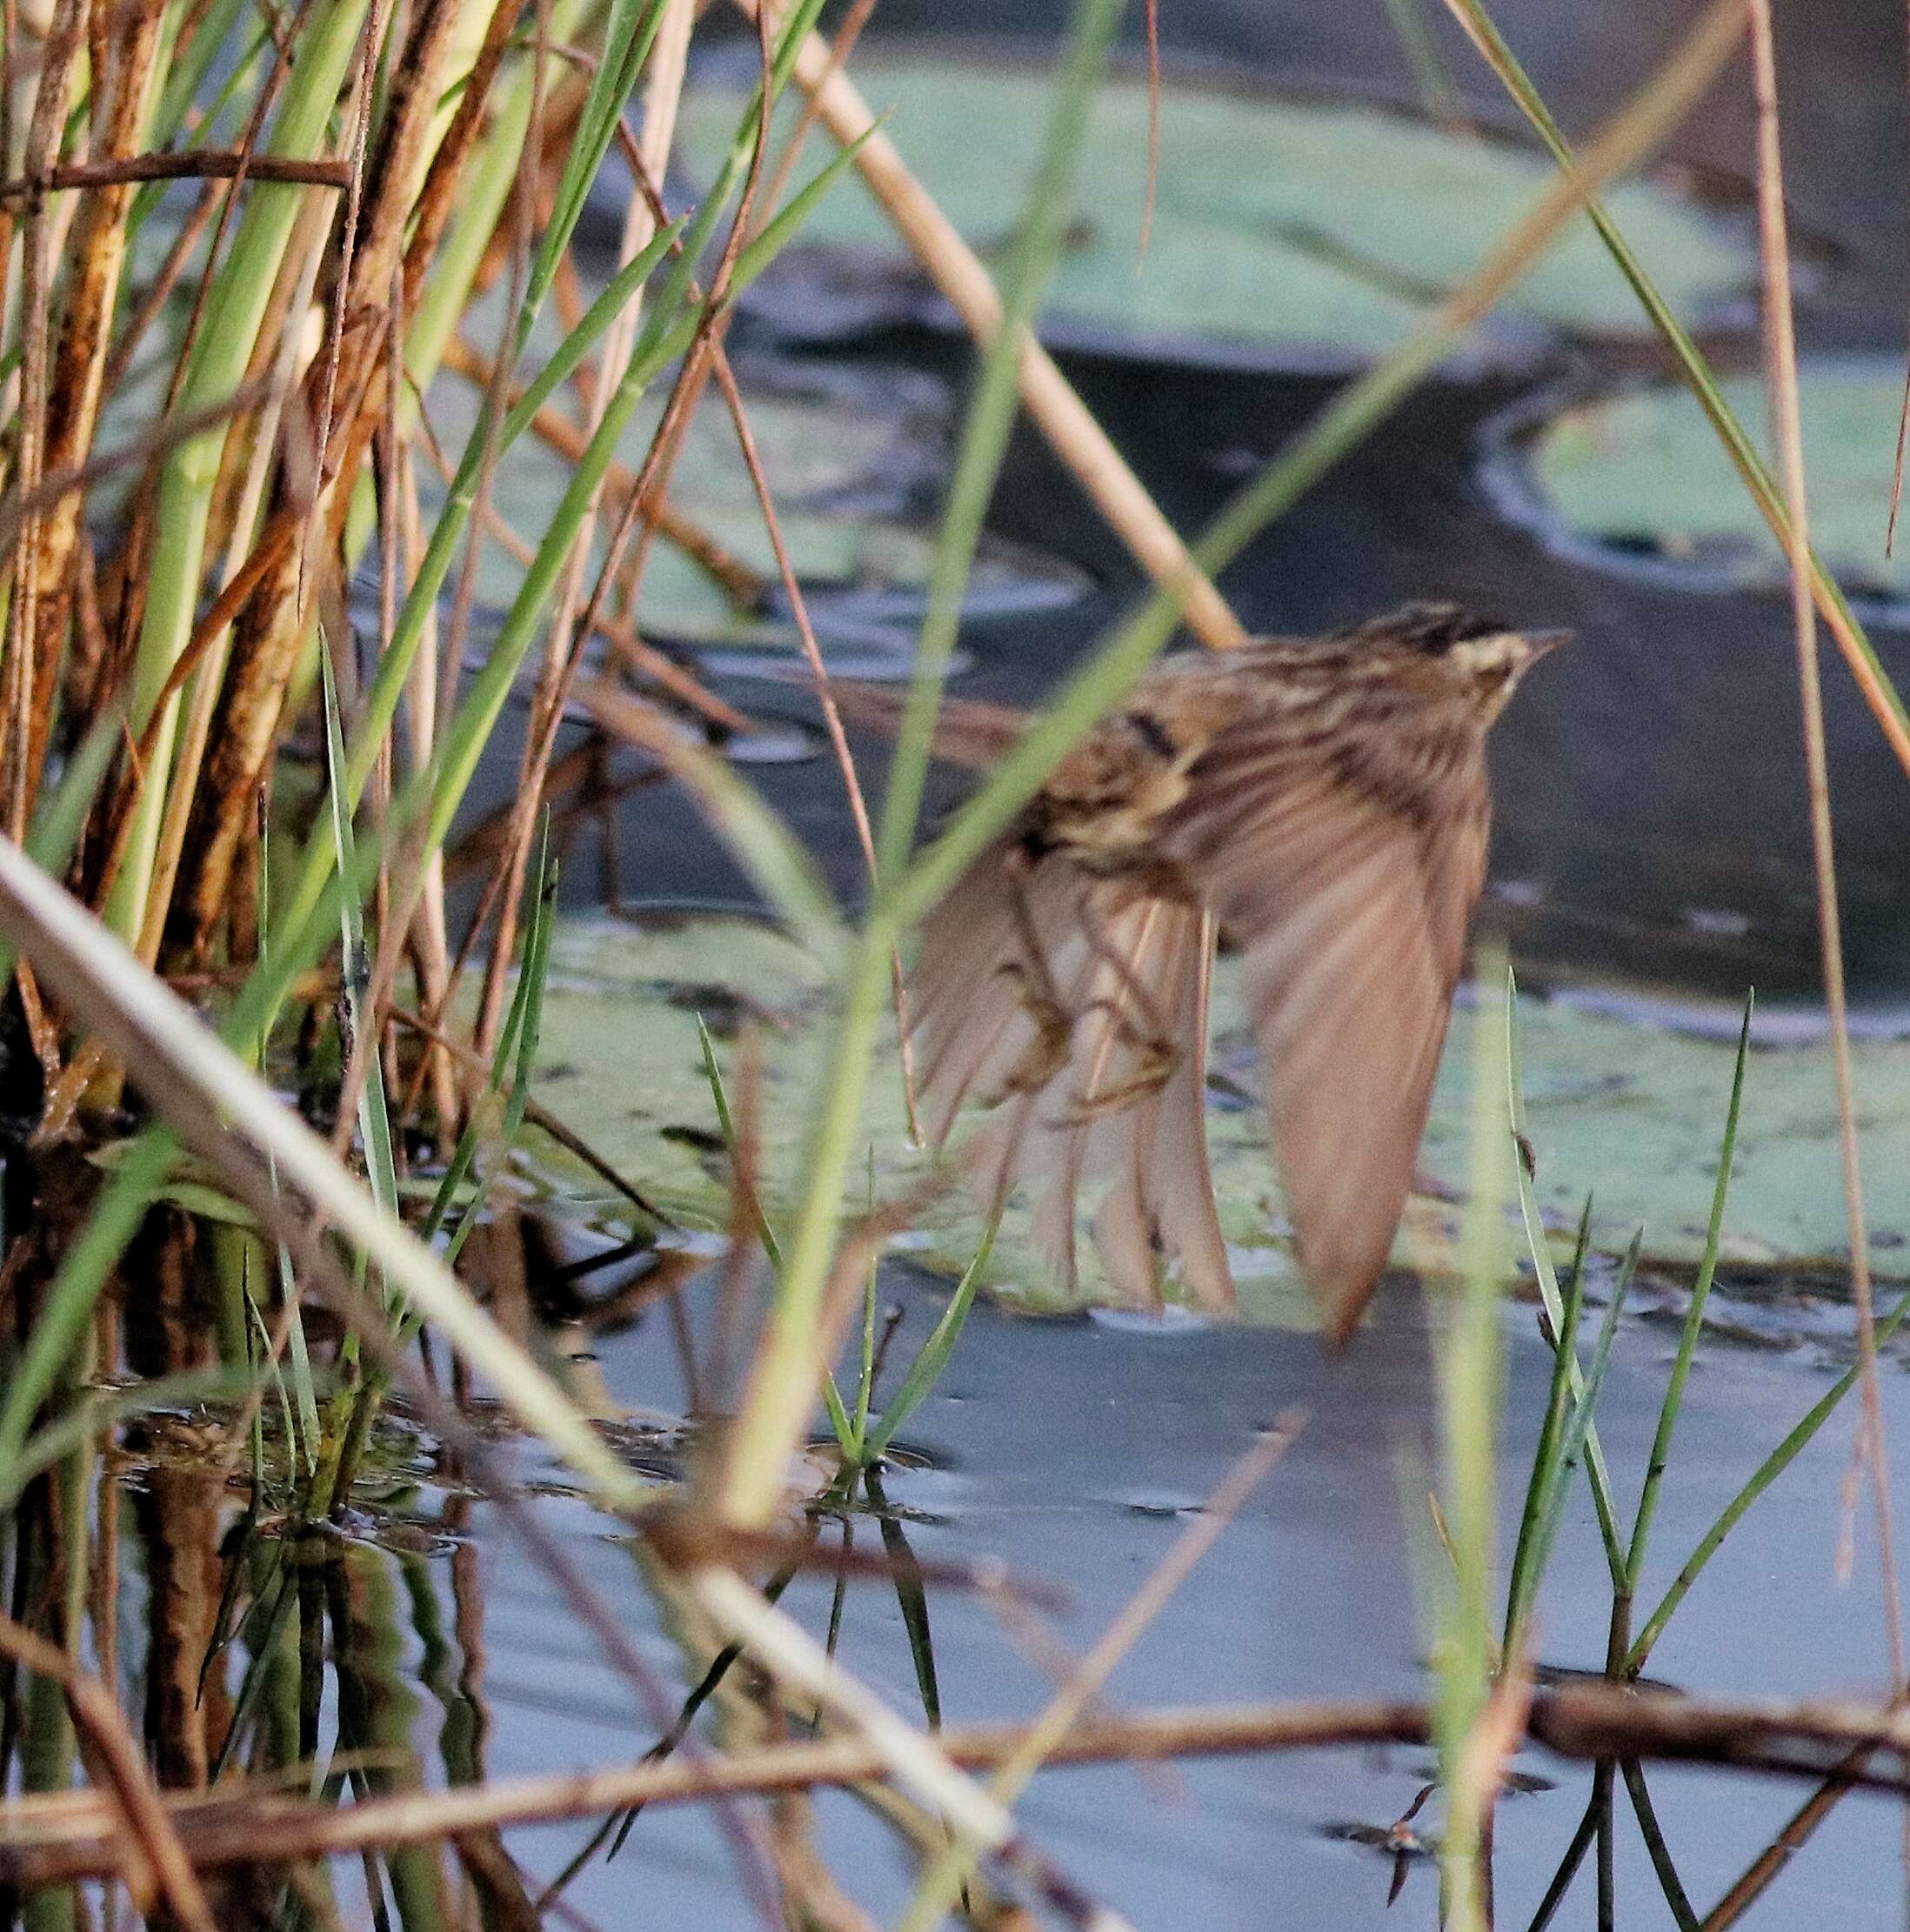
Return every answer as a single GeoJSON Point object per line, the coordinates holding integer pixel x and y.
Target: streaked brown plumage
{"type": "Point", "coordinates": [1322, 802]}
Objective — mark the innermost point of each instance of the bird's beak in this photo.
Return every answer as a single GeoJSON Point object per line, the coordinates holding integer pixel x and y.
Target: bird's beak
{"type": "Point", "coordinates": [1539, 643]}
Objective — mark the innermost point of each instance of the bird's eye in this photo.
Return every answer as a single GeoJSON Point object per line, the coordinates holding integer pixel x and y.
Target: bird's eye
{"type": "Point", "coordinates": [1469, 628]}
{"type": "Point", "coordinates": [1439, 628]}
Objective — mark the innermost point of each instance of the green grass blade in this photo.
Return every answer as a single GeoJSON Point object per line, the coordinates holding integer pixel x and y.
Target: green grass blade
{"type": "Point", "coordinates": [1694, 1317]}
{"type": "Point", "coordinates": [848, 1436]}
{"type": "Point", "coordinates": [726, 1122]}
{"type": "Point", "coordinates": [866, 1366]}
{"type": "Point", "coordinates": [1584, 1407]}
{"type": "Point", "coordinates": [779, 1391]}
{"type": "Point", "coordinates": [910, 1600]}
{"type": "Point", "coordinates": [932, 1357]}
{"type": "Point", "coordinates": [1739, 446]}
{"type": "Point", "coordinates": [1523, 1584]}
{"type": "Point", "coordinates": [1596, 1471]}
{"type": "Point", "coordinates": [1766, 1472]}
{"type": "Point", "coordinates": [1683, 1916]}
{"type": "Point", "coordinates": [1471, 1369]}
{"type": "Point", "coordinates": [629, 32]}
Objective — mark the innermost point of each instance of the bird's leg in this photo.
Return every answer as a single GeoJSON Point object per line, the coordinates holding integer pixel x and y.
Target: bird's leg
{"type": "Point", "coordinates": [1153, 1041]}
{"type": "Point", "coordinates": [1047, 1053]}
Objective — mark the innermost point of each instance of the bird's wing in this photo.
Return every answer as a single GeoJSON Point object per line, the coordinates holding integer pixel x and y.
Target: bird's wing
{"type": "Point", "coordinates": [969, 731]}
{"type": "Point", "coordinates": [1350, 890]}
{"type": "Point", "coordinates": [1110, 1096]}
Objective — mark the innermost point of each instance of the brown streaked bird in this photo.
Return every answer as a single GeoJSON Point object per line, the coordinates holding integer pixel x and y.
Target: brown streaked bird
{"type": "Point", "coordinates": [1322, 802]}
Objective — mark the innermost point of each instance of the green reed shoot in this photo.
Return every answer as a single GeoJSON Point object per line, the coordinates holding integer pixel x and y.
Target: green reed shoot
{"type": "Point", "coordinates": [507, 1087]}
{"type": "Point", "coordinates": [1694, 1316]}
{"type": "Point", "coordinates": [1471, 1375]}
{"type": "Point", "coordinates": [861, 1442]}
{"type": "Point", "coordinates": [1547, 1453]}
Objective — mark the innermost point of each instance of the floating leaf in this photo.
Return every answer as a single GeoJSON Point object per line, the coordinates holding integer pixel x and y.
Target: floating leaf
{"type": "Point", "coordinates": [1286, 230]}
{"type": "Point", "coordinates": [843, 458]}
{"type": "Point", "coordinates": [1641, 479]}
{"type": "Point", "coordinates": [1630, 1113]}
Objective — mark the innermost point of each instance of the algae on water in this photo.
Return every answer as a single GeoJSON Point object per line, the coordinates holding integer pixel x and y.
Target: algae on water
{"type": "Point", "coordinates": [1630, 1113]}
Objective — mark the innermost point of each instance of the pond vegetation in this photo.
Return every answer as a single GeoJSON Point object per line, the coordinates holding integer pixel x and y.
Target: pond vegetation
{"type": "Point", "coordinates": [409, 476]}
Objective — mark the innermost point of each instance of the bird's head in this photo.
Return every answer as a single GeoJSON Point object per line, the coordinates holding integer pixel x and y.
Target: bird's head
{"type": "Point", "coordinates": [1448, 652]}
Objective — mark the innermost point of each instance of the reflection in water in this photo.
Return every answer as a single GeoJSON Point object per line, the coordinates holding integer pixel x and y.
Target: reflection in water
{"type": "Point", "coordinates": [421, 1649]}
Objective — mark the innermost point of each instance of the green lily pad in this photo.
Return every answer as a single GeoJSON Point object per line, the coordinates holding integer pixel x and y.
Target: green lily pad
{"type": "Point", "coordinates": [839, 461]}
{"type": "Point", "coordinates": [1286, 230]}
{"type": "Point", "coordinates": [1641, 478]}
{"type": "Point", "coordinates": [1632, 1114]}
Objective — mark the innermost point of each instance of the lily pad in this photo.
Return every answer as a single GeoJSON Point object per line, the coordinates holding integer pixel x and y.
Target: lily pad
{"type": "Point", "coordinates": [1640, 482]}
{"type": "Point", "coordinates": [1289, 232]}
{"type": "Point", "coordinates": [846, 463]}
{"type": "Point", "coordinates": [1632, 1114]}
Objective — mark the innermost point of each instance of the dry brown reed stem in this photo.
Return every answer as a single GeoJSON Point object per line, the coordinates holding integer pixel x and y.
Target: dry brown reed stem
{"type": "Point", "coordinates": [1787, 431]}
{"type": "Point", "coordinates": [95, 264]}
{"type": "Point", "coordinates": [430, 938]}
{"type": "Point", "coordinates": [152, 1858]}
{"type": "Point", "coordinates": [61, 1837]}
{"type": "Point", "coordinates": [189, 164]}
{"type": "Point", "coordinates": [1059, 413]}
{"type": "Point", "coordinates": [437, 197]}
{"type": "Point", "coordinates": [24, 676]}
